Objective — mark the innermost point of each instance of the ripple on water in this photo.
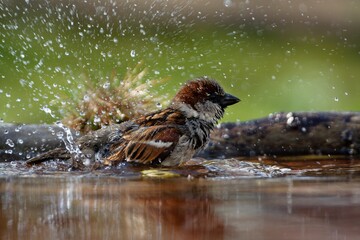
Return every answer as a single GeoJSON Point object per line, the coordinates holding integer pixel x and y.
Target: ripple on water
{"type": "Point", "coordinates": [264, 167]}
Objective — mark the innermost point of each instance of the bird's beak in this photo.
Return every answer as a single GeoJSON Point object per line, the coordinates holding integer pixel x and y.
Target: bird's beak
{"type": "Point", "coordinates": [228, 100]}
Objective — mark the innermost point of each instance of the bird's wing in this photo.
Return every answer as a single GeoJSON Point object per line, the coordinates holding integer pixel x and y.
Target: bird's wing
{"type": "Point", "coordinates": [145, 145]}
{"type": "Point", "coordinates": [91, 141]}
{"type": "Point", "coordinates": [57, 153]}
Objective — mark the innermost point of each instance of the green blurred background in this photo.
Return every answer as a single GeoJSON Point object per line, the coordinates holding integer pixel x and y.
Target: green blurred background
{"type": "Point", "coordinates": [274, 55]}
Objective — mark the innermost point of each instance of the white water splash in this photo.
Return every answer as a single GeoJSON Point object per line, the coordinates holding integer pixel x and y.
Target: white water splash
{"type": "Point", "coordinates": [68, 140]}
{"type": "Point", "coordinates": [47, 110]}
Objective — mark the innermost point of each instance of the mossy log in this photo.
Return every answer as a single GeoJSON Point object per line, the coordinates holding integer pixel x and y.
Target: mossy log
{"type": "Point", "coordinates": [301, 133]}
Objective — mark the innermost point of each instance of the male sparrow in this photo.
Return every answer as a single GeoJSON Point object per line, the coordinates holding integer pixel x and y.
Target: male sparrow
{"type": "Point", "coordinates": [167, 137]}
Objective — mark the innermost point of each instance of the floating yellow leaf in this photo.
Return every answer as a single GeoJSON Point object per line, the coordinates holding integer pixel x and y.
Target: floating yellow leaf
{"type": "Point", "coordinates": [156, 173]}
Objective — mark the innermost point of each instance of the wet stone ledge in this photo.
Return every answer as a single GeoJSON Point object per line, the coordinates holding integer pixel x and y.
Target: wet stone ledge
{"type": "Point", "coordinates": [280, 134]}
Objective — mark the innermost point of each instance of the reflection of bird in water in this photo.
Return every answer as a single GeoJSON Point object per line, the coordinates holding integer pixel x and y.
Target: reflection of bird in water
{"type": "Point", "coordinates": [164, 211]}
{"type": "Point", "coordinates": [167, 137]}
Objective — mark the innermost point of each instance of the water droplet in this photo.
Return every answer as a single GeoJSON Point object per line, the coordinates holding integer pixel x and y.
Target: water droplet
{"type": "Point", "coordinates": [60, 134]}
{"type": "Point", "coordinates": [336, 99]}
{"type": "Point", "coordinates": [20, 141]}
{"type": "Point", "coordinates": [225, 136]}
{"type": "Point", "coordinates": [97, 119]}
{"type": "Point", "coordinates": [273, 77]}
{"type": "Point", "coordinates": [10, 143]}
{"type": "Point", "coordinates": [158, 105]}
{"type": "Point", "coordinates": [47, 110]}
{"type": "Point", "coordinates": [132, 53]}
{"type": "Point", "coordinates": [228, 3]}
{"type": "Point", "coordinates": [106, 85]}
{"type": "Point", "coordinates": [290, 119]}
{"type": "Point", "coordinates": [22, 82]}
{"type": "Point", "coordinates": [8, 151]}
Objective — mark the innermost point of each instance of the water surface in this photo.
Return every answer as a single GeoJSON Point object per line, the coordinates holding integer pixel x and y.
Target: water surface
{"type": "Point", "coordinates": [219, 200]}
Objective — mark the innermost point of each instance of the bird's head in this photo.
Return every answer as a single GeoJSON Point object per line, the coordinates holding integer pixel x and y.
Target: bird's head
{"type": "Point", "coordinates": [203, 98]}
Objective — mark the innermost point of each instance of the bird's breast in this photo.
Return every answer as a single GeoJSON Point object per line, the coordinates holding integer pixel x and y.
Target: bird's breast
{"type": "Point", "coordinates": [199, 132]}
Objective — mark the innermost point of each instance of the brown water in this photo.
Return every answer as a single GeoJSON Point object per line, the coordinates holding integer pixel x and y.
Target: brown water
{"type": "Point", "coordinates": [219, 200]}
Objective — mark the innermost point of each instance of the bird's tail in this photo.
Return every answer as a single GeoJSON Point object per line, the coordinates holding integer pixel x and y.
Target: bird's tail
{"type": "Point", "coordinates": [57, 153]}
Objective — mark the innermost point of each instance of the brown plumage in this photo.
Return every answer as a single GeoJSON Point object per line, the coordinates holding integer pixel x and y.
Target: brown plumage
{"type": "Point", "coordinates": [167, 137]}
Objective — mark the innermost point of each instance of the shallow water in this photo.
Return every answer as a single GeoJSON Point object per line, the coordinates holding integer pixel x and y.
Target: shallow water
{"type": "Point", "coordinates": [227, 199]}
{"type": "Point", "coordinates": [114, 208]}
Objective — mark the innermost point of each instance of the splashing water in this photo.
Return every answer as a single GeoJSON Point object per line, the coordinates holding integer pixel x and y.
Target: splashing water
{"type": "Point", "coordinates": [69, 142]}
{"type": "Point", "coordinates": [68, 139]}
{"type": "Point", "coordinates": [47, 110]}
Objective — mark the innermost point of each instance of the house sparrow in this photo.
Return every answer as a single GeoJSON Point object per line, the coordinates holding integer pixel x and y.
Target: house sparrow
{"type": "Point", "coordinates": [167, 137]}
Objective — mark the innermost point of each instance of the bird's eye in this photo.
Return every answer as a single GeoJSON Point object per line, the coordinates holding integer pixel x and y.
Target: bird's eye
{"type": "Point", "coordinates": [212, 96]}
{"type": "Point", "coordinates": [219, 94]}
